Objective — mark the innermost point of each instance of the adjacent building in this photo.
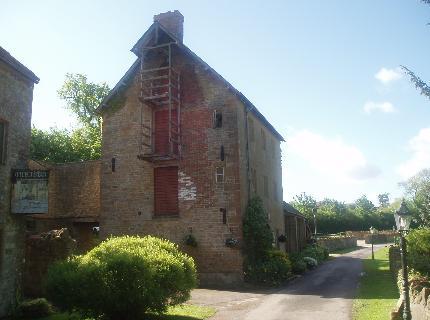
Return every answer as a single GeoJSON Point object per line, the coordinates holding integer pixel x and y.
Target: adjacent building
{"type": "Point", "coordinates": [182, 153]}
{"type": "Point", "coordinates": [16, 95]}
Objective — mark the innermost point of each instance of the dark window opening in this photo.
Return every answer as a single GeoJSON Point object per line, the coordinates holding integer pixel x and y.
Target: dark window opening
{"type": "Point", "coordinates": [113, 164]}
{"type": "Point", "coordinates": [217, 119]}
{"type": "Point", "coordinates": [263, 139]}
{"type": "Point", "coordinates": [266, 186]}
{"type": "Point", "coordinates": [224, 215]}
{"type": "Point", "coordinates": [3, 134]}
{"type": "Point", "coordinates": [222, 154]}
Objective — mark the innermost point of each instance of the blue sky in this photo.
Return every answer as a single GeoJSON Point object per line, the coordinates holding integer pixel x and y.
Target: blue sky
{"type": "Point", "coordinates": [325, 73]}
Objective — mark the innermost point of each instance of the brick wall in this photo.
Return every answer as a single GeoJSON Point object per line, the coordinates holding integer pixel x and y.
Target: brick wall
{"type": "Point", "coordinates": [74, 200]}
{"type": "Point", "coordinates": [16, 94]}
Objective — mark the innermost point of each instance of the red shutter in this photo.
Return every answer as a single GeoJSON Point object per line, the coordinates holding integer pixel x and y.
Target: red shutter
{"type": "Point", "coordinates": [166, 190]}
{"type": "Point", "coordinates": [162, 145]}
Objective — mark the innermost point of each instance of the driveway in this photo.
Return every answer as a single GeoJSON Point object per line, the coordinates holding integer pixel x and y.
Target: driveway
{"type": "Point", "coordinates": [324, 293]}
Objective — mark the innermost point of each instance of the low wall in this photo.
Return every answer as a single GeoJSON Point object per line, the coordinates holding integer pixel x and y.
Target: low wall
{"type": "Point", "coordinates": [41, 251]}
{"type": "Point", "coordinates": [363, 235]}
{"type": "Point", "coordinates": [333, 244]}
{"type": "Point", "coordinates": [395, 262]}
{"type": "Point", "coordinates": [380, 238]}
{"type": "Point", "coordinates": [420, 305]}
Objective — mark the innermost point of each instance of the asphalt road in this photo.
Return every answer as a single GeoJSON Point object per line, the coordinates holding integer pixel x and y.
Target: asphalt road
{"type": "Point", "coordinates": [324, 293]}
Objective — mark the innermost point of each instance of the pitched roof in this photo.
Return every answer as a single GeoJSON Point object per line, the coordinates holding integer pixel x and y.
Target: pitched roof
{"type": "Point", "coordinates": [288, 208]}
{"type": "Point", "coordinates": [145, 39]}
{"type": "Point", "coordinates": [18, 66]}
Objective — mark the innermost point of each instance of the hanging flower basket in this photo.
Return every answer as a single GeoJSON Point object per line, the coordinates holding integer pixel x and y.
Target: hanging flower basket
{"type": "Point", "coordinates": [282, 238]}
{"type": "Point", "coordinates": [190, 240]}
{"type": "Point", "coordinates": [231, 242]}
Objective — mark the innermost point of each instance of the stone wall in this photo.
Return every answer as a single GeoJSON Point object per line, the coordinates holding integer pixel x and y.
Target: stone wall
{"type": "Point", "coordinates": [41, 251]}
{"type": "Point", "coordinates": [394, 260]}
{"type": "Point", "coordinates": [379, 238]}
{"type": "Point", "coordinates": [333, 244]}
{"type": "Point", "coordinates": [16, 95]}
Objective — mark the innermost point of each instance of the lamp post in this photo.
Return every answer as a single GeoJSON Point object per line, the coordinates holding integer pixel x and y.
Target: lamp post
{"type": "Point", "coordinates": [372, 232]}
{"type": "Point", "coordinates": [314, 212]}
{"type": "Point", "coordinates": [403, 219]}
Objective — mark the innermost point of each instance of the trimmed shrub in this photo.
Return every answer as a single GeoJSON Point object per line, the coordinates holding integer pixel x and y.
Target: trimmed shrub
{"type": "Point", "coordinates": [273, 269]}
{"type": "Point", "coordinates": [315, 251]}
{"type": "Point", "coordinates": [35, 308]}
{"type": "Point", "coordinates": [418, 242]}
{"type": "Point", "coordinates": [311, 263]}
{"type": "Point", "coordinates": [298, 265]}
{"type": "Point", "coordinates": [123, 278]}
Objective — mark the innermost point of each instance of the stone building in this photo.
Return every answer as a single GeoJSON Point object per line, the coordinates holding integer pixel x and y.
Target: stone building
{"type": "Point", "coordinates": [16, 95]}
{"type": "Point", "coordinates": [182, 153]}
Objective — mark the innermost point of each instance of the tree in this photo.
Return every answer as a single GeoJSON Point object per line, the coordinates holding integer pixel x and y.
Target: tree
{"type": "Point", "coordinates": [84, 143]}
{"type": "Point", "coordinates": [83, 98]}
{"type": "Point", "coordinates": [417, 188]}
{"type": "Point", "coordinates": [384, 199]}
{"type": "Point", "coordinates": [419, 84]}
{"type": "Point", "coordinates": [305, 204]}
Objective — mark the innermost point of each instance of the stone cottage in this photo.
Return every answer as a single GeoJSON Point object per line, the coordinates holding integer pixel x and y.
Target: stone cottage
{"type": "Point", "coordinates": [16, 96]}
{"type": "Point", "coordinates": [182, 153]}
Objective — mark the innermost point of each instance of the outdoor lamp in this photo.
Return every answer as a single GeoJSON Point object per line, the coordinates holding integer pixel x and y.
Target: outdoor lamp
{"type": "Point", "coordinates": [402, 217]}
{"type": "Point", "coordinates": [403, 220]}
{"type": "Point", "coordinates": [372, 232]}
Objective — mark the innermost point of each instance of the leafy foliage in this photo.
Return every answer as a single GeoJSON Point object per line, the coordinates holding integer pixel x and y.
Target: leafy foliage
{"type": "Point", "coordinates": [61, 145]}
{"type": "Point", "coordinates": [256, 230]}
{"type": "Point", "coordinates": [417, 188]}
{"type": "Point", "coordinates": [334, 216]}
{"type": "Point", "coordinates": [83, 98]}
{"type": "Point", "coordinates": [123, 278]}
{"type": "Point", "coordinates": [84, 143]}
{"type": "Point", "coordinates": [272, 269]}
{"type": "Point", "coordinates": [418, 241]}
{"type": "Point", "coordinates": [263, 264]}
{"type": "Point", "coordinates": [35, 308]}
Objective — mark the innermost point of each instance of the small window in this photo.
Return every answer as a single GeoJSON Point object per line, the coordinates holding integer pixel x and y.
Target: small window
{"type": "Point", "coordinates": [222, 154]}
{"type": "Point", "coordinates": [3, 136]}
{"type": "Point", "coordinates": [219, 175]}
{"type": "Point", "coordinates": [217, 119]}
{"type": "Point", "coordinates": [266, 186]}
{"type": "Point", "coordinates": [263, 139]}
{"type": "Point", "coordinates": [251, 130]}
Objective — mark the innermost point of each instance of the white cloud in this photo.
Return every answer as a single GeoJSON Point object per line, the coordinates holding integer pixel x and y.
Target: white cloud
{"type": "Point", "coordinates": [388, 75]}
{"type": "Point", "coordinates": [420, 159]}
{"type": "Point", "coordinates": [386, 107]}
{"type": "Point", "coordinates": [331, 157]}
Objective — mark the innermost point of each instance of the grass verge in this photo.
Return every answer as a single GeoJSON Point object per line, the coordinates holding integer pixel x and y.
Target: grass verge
{"type": "Point", "coordinates": [377, 293]}
{"type": "Point", "coordinates": [181, 312]}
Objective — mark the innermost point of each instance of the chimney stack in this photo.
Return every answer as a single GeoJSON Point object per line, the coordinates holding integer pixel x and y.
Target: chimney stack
{"type": "Point", "coordinates": [172, 22]}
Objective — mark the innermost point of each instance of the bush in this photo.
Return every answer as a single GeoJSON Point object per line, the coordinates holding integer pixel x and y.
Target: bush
{"type": "Point", "coordinates": [273, 269]}
{"type": "Point", "coordinates": [311, 263]}
{"type": "Point", "coordinates": [123, 278]}
{"type": "Point", "coordinates": [418, 242]}
{"type": "Point", "coordinates": [35, 308]}
{"type": "Point", "coordinates": [298, 265]}
{"type": "Point", "coordinates": [315, 251]}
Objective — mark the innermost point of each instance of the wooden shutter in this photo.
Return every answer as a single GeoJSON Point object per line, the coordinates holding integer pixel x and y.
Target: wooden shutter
{"type": "Point", "coordinates": [166, 190]}
{"type": "Point", "coordinates": [162, 145]}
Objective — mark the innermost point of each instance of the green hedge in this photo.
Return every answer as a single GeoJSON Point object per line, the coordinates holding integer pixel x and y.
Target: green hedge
{"type": "Point", "coordinates": [418, 241]}
{"type": "Point", "coordinates": [123, 278]}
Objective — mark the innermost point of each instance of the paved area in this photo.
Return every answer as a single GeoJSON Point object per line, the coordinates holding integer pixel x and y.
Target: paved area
{"type": "Point", "coordinates": [324, 293]}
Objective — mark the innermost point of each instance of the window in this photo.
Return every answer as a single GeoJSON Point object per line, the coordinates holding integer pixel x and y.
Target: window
{"type": "Point", "coordinates": [166, 191]}
{"type": "Point", "coordinates": [251, 130]}
{"type": "Point", "coordinates": [217, 119]}
{"type": "Point", "coordinates": [266, 186]}
{"type": "Point", "coordinates": [219, 175]}
{"type": "Point", "coordinates": [263, 139]}
{"type": "Point", "coordinates": [273, 149]}
{"type": "Point", "coordinates": [3, 136]}
{"type": "Point", "coordinates": [222, 153]}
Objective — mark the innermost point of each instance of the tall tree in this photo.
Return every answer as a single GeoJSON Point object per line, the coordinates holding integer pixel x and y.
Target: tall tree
{"type": "Point", "coordinates": [384, 199]}
{"type": "Point", "coordinates": [305, 204]}
{"type": "Point", "coordinates": [84, 143]}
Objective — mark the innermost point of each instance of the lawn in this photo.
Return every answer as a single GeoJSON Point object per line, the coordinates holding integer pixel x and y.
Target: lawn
{"type": "Point", "coordinates": [181, 312]}
{"type": "Point", "coordinates": [377, 293]}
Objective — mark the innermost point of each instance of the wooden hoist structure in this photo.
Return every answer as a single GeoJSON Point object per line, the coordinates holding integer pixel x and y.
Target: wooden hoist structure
{"type": "Point", "coordinates": [160, 90]}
